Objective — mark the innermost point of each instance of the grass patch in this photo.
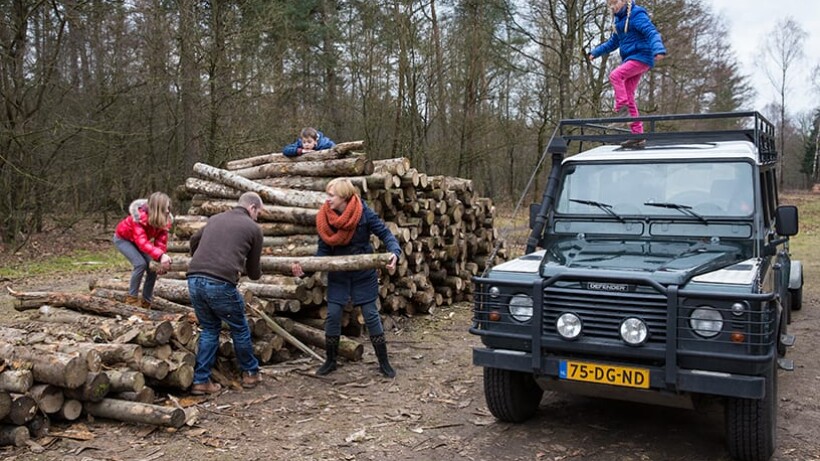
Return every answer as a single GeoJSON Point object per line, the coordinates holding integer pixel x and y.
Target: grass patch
{"type": "Point", "coordinates": [81, 261]}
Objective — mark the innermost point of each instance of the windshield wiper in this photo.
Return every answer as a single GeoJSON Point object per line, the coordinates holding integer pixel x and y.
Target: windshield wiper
{"type": "Point", "coordinates": [603, 206]}
{"type": "Point", "coordinates": [686, 209]}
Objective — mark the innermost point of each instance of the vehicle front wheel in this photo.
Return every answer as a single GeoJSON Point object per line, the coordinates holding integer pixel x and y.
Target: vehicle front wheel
{"type": "Point", "coordinates": [796, 296]}
{"type": "Point", "coordinates": [512, 396]}
{"type": "Point", "coordinates": [751, 424]}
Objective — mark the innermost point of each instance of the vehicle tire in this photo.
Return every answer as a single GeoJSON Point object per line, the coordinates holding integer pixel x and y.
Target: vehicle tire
{"type": "Point", "coordinates": [512, 396]}
{"type": "Point", "coordinates": [796, 298]}
{"type": "Point", "coordinates": [751, 424]}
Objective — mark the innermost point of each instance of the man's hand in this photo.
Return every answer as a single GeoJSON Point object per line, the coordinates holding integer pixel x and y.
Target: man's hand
{"type": "Point", "coordinates": [296, 269]}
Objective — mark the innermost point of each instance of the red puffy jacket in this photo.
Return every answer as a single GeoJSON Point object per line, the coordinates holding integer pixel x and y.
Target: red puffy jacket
{"type": "Point", "coordinates": [135, 229]}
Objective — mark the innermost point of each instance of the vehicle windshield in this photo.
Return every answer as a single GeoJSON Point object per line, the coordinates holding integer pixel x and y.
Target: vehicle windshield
{"type": "Point", "coordinates": [682, 189]}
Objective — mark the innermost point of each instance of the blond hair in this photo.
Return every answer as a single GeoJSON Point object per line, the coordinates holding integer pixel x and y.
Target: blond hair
{"type": "Point", "coordinates": [159, 210]}
{"type": "Point", "coordinates": [628, 13]}
{"type": "Point", "coordinates": [342, 187]}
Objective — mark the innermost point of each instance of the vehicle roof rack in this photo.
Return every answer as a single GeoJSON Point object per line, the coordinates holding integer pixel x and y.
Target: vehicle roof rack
{"type": "Point", "coordinates": [678, 129]}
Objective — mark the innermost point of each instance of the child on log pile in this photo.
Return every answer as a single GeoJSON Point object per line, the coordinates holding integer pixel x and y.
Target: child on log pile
{"type": "Point", "coordinates": [141, 237]}
{"type": "Point", "coordinates": [309, 140]}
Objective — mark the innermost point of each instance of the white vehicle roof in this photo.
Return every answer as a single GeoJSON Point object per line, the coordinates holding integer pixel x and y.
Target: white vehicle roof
{"type": "Point", "coordinates": [740, 150]}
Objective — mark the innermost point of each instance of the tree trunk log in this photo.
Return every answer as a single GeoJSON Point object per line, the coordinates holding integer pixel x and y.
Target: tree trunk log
{"type": "Point", "coordinates": [278, 196]}
{"type": "Point", "coordinates": [49, 398]}
{"type": "Point", "coordinates": [154, 368]}
{"type": "Point", "coordinates": [354, 166]}
{"type": "Point", "coordinates": [18, 381]}
{"type": "Point", "coordinates": [13, 435]}
{"type": "Point", "coordinates": [23, 408]}
{"type": "Point", "coordinates": [5, 404]}
{"type": "Point", "coordinates": [186, 230]}
{"type": "Point", "coordinates": [96, 387]}
{"type": "Point", "coordinates": [282, 265]}
{"type": "Point", "coordinates": [174, 290]}
{"type": "Point", "coordinates": [144, 395]}
{"type": "Point", "coordinates": [39, 425]}
{"type": "Point", "coordinates": [125, 380]}
{"type": "Point", "coordinates": [315, 183]}
{"type": "Point", "coordinates": [157, 303]}
{"type": "Point", "coordinates": [70, 411]}
{"type": "Point", "coordinates": [181, 377]}
{"type": "Point", "coordinates": [348, 348]}
{"type": "Point", "coordinates": [338, 151]}
{"type": "Point", "coordinates": [136, 412]}
{"type": "Point", "coordinates": [55, 368]}
{"type": "Point", "coordinates": [93, 304]}
{"type": "Point", "coordinates": [276, 291]}
{"type": "Point", "coordinates": [269, 213]}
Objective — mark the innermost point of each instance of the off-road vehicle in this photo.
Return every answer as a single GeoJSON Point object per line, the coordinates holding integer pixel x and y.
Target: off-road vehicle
{"type": "Point", "coordinates": [658, 275]}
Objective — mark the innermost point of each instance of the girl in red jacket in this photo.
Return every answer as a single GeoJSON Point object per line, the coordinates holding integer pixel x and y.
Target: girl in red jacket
{"type": "Point", "coordinates": [141, 237]}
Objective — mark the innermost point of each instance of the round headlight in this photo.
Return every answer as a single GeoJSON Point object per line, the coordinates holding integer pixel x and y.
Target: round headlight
{"type": "Point", "coordinates": [568, 325]}
{"type": "Point", "coordinates": [495, 292]}
{"type": "Point", "coordinates": [521, 307]}
{"type": "Point", "coordinates": [634, 331]}
{"type": "Point", "coordinates": [706, 321]}
{"type": "Point", "coordinates": [738, 309]}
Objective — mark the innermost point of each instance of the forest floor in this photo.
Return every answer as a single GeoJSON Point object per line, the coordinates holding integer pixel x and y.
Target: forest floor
{"type": "Point", "coordinates": [433, 410]}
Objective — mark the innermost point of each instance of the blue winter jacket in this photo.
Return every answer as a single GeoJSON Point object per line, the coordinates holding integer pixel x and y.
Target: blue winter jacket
{"type": "Point", "coordinates": [362, 286]}
{"type": "Point", "coordinates": [641, 42]}
{"type": "Point", "coordinates": [295, 149]}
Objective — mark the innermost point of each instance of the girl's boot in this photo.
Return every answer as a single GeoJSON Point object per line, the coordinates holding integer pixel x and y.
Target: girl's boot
{"type": "Point", "coordinates": [380, 347]}
{"type": "Point", "coordinates": [331, 352]}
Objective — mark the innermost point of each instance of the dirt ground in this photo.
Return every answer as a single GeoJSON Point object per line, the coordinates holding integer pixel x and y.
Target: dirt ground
{"type": "Point", "coordinates": [433, 410]}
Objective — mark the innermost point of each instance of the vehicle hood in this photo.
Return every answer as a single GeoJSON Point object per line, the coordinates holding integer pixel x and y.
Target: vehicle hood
{"type": "Point", "coordinates": [666, 262]}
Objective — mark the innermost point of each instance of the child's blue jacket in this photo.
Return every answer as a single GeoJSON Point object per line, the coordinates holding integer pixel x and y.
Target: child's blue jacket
{"type": "Point", "coordinates": [641, 42]}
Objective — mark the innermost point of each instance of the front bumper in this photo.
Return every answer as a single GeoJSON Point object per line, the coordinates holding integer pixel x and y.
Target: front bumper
{"type": "Point", "coordinates": [687, 381]}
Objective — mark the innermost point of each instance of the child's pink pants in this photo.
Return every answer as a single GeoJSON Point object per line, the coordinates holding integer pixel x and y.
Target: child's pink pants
{"type": "Point", "coordinates": [624, 81]}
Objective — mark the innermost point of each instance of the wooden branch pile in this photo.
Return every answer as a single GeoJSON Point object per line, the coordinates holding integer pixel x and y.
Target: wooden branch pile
{"type": "Point", "coordinates": [446, 232]}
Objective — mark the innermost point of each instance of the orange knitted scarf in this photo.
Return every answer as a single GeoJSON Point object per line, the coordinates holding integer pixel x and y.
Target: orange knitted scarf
{"type": "Point", "coordinates": [338, 229]}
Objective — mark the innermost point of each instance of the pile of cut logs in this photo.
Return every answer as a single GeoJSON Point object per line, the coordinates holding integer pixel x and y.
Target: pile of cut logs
{"type": "Point", "coordinates": [445, 231]}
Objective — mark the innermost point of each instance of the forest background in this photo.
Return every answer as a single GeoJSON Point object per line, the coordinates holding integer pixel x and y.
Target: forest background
{"type": "Point", "coordinates": [105, 101]}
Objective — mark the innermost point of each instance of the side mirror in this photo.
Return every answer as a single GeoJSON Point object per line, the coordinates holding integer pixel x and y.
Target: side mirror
{"type": "Point", "coordinates": [786, 222]}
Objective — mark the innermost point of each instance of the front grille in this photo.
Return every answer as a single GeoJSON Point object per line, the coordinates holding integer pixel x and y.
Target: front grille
{"type": "Point", "coordinates": [602, 312]}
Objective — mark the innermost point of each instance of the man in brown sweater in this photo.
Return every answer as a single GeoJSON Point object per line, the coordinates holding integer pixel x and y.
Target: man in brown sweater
{"type": "Point", "coordinates": [230, 244]}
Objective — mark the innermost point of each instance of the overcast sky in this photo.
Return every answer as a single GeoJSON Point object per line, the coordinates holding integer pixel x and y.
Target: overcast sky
{"type": "Point", "coordinates": [749, 21]}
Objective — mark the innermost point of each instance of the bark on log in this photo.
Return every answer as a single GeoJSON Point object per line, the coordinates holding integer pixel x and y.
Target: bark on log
{"type": "Point", "coordinates": [162, 352]}
{"type": "Point", "coordinates": [49, 398]}
{"type": "Point", "coordinates": [282, 264]}
{"type": "Point", "coordinates": [38, 426]}
{"type": "Point", "coordinates": [348, 348]}
{"type": "Point", "coordinates": [13, 435]}
{"type": "Point", "coordinates": [18, 381]}
{"type": "Point", "coordinates": [186, 230]}
{"type": "Point", "coordinates": [136, 412]}
{"type": "Point", "coordinates": [70, 411]}
{"type": "Point", "coordinates": [354, 166]}
{"type": "Point", "coordinates": [95, 388]}
{"type": "Point", "coordinates": [154, 368]}
{"type": "Point", "coordinates": [276, 291]}
{"type": "Point", "coordinates": [181, 377]}
{"type": "Point", "coordinates": [338, 151]}
{"type": "Point", "coordinates": [174, 290]}
{"type": "Point", "coordinates": [211, 188]}
{"type": "Point", "coordinates": [56, 368]}
{"type": "Point", "coordinates": [278, 196]}
{"type": "Point", "coordinates": [147, 334]}
{"type": "Point", "coordinates": [88, 303]}
{"type": "Point", "coordinates": [157, 303]}
{"type": "Point", "coordinates": [285, 335]}
{"type": "Point", "coordinates": [269, 213]}
{"type": "Point", "coordinates": [5, 404]}
{"type": "Point", "coordinates": [125, 380]}
{"type": "Point", "coordinates": [23, 408]}
{"type": "Point", "coordinates": [144, 395]}
{"type": "Point", "coordinates": [315, 183]}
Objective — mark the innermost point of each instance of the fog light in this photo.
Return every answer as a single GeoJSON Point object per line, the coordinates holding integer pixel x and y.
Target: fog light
{"type": "Point", "coordinates": [634, 331]}
{"type": "Point", "coordinates": [568, 326]}
{"type": "Point", "coordinates": [706, 321]}
{"type": "Point", "coordinates": [494, 316]}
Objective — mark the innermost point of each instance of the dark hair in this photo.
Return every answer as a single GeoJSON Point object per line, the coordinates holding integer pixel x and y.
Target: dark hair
{"type": "Point", "coordinates": [309, 132]}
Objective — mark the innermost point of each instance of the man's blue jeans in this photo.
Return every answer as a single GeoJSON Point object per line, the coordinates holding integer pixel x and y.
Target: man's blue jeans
{"type": "Point", "coordinates": [216, 301]}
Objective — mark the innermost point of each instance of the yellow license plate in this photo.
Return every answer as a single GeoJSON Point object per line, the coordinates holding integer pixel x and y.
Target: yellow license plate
{"type": "Point", "coordinates": [604, 374]}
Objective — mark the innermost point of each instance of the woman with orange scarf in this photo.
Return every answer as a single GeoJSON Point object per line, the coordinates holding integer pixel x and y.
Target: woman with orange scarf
{"type": "Point", "coordinates": [344, 224]}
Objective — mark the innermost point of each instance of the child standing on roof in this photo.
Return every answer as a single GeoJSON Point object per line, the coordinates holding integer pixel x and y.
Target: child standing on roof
{"type": "Point", "coordinates": [641, 47]}
{"type": "Point", "coordinates": [309, 140]}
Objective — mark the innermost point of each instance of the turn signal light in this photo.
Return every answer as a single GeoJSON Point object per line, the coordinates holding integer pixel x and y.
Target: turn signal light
{"type": "Point", "coordinates": [738, 337]}
{"type": "Point", "coordinates": [494, 316]}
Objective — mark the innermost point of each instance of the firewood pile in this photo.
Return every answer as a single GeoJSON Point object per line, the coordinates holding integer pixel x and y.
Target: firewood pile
{"type": "Point", "coordinates": [91, 353]}
{"type": "Point", "coordinates": [445, 230]}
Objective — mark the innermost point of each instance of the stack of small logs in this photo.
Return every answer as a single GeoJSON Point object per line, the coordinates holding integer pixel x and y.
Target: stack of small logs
{"type": "Point", "coordinates": [60, 364]}
{"type": "Point", "coordinates": [445, 231]}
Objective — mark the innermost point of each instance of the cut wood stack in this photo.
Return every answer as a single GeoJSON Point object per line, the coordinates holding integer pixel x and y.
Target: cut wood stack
{"type": "Point", "coordinates": [445, 231]}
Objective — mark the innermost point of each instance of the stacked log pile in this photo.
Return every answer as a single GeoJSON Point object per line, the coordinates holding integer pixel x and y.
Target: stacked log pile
{"type": "Point", "coordinates": [446, 232]}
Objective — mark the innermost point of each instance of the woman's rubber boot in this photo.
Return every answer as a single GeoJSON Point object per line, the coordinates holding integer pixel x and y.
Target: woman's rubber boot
{"type": "Point", "coordinates": [331, 352]}
{"type": "Point", "coordinates": [380, 347]}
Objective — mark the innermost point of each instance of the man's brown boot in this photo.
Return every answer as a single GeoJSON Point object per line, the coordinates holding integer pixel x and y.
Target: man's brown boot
{"type": "Point", "coordinates": [145, 304]}
{"type": "Point", "coordinates": [205, 388]}
{"type": "Point", "coordinates": [132, 300]}
{"type": "Point", "coordinates": [249, 381]}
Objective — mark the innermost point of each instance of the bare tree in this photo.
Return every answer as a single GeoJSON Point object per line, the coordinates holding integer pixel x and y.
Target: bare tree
{"type": "Point", "coordinates": [783, 47]}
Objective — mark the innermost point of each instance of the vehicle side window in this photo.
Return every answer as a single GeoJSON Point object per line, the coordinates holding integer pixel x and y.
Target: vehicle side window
{"type": "Point", "coordinates": [767, 183]}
